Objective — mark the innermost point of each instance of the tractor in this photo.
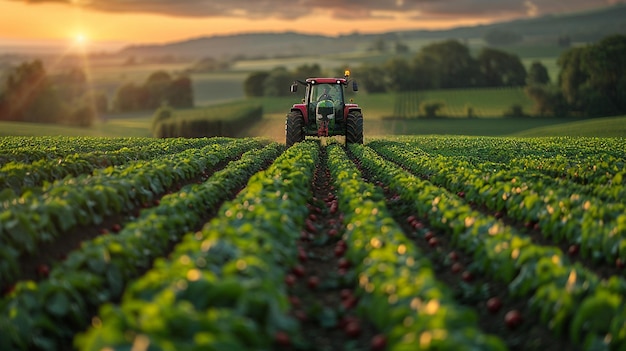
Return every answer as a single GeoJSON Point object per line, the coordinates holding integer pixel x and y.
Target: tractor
{"type": "Point", "coordinates": [324, 111]}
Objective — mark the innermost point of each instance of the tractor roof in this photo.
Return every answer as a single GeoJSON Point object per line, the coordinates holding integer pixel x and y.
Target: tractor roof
{"type": "Point", "coordinates": [327, 81]}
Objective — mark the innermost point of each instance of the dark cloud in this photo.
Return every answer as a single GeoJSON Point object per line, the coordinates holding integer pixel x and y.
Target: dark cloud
{"type": "Point", "coordinates": [347, 9]}
{"type": "Point", "coordinates": [512, 8]}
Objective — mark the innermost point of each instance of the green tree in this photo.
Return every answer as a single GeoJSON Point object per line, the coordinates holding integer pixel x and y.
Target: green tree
{"type": "Point", "coordinates": [537, 74]}
{"type": "Point", "coordinates": [605, 65]}
{"type": "Point", "coordinates": [548, 100]}
{"type": "Point", "coordinates": [254, 84]}
{"type": "Point", "coordinates": [447, 64]}
{"type": "Point", "coordinates": [500, 69]}
{"type": "Point", "coordinates": [179, 93]}
{"type": "Point", "coordinates": [515, 110]}
{"type": "Point", "coordinates": [399, 75]}
{"type": "Point", "coordinates": [430, 109]}
{"type": "Point", "coordinates": [4, 105]}
{"type": "Point", "coordinates": [30, 96]}
{"type": "Point", "coordinates": [157, 87]}
{"type": "Point", "coordinates": [129, 97]}
{"type": "Point", "coordinates": [593, 78]}
{"type": "Point", "coordinates": [372, 78]}
{"type": "Point", "coordinates": [572, 76]}
{"type": "Point", "coordinates": [278, 82]}
{"type": "Point", "coordinates": [307, 71]}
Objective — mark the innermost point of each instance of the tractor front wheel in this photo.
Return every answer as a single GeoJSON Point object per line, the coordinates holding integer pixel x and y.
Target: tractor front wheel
{"type": "Point", "coordinates": [354, 128]}
{"type": "Point", "coordinates": [294, 128]}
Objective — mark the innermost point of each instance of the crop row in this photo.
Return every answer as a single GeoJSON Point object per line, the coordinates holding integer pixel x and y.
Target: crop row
{"type": "Point", "coordinates": [398, 286]}
{"type": "Point", "coordinates": [499, 149]}
{"type": "Point", "coordinates": [19, 176]}
{"type": "Point", "coordinates": [564, 211]}
{"type": "Point", "coordinates": [34, 218]}
{"type": "Point", "coordinates": [569, 298]}
{"type": "Point", "coordinates": [581, 160]}
{"type": "Point", "coordinates": [223, 288]}
{"type": "Point", "coordinates": [46, 315]}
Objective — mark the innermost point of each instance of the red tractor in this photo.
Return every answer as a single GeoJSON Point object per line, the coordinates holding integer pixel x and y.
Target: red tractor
{"type": "Point", "coordinates": [324, 111]}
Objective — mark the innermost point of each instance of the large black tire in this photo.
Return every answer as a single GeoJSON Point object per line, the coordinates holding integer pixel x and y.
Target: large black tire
{"type": "Point", "coordinates": [294, 128]}
{"type": "Point", "coordinates": [354, 128]}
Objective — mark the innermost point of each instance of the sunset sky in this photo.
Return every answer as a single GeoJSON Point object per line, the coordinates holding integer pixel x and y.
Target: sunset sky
{"type": "Point", "coordinates": [120, 22]}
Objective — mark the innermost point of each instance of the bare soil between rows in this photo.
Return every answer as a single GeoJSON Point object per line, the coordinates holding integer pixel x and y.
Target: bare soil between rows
{"type": "Point", "coordinates": [322, 285]}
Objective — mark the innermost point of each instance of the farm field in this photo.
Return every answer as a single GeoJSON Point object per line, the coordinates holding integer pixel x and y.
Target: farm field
{"type": "Point", "coordinates": [119, 125]}
{"type": "Point", "coordinates": [436, 242]}
{"type": "Point", "coordinates": [607, 126]}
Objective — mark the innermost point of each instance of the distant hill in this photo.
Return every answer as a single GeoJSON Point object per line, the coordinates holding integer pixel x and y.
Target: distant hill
{"type": "Point", "coordinates": [586, 26]}
{"type": "Point", "coordinates": [249, 45]}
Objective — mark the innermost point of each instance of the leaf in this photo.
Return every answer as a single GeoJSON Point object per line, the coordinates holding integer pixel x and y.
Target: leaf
{"type": "Point", "coordinates": [58, 304]}
{"type": "Point", "coordinates": [115, 280]}
{"type": "Point", "coordinates": [6, 194]}
{"type": "Point", "coordinates": [96, 263]}
{"type": "Point", "coordinates": [594, 315]}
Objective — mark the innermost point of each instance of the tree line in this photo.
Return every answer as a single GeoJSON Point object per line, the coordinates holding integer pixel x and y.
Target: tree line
{"type": "Point", "coordinates": [30, 94]}
{"type": "Point", "coordinates": [591, 81]}
{"type": "Point", "coordinates": [159, 89]}
{"type": "Point", "coordinates": [440, 65]}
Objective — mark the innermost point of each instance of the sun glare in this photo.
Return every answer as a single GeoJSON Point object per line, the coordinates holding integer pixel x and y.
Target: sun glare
{"type": "Point", "coordinates": [80, 39]}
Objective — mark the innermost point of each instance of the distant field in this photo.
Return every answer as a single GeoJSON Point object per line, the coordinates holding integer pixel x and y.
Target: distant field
{"type": "Point", "coordinates": [606, 127]}
{"type": "Point", "coordinates": [131, 125]}
{"type": "Point", "coordinates": [486, 103]}
{"type": "Point", "coordinates": [458, 126]}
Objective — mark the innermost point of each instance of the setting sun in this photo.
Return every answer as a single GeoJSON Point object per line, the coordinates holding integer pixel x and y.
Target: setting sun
{"type": "Point", "coordinates": [80, 39]}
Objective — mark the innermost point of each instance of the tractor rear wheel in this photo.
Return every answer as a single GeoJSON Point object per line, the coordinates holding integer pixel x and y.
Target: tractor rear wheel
{"type": "Point", "coordinates": [294, 128]}
{"type": "Point", "coordinates": [354, 128]}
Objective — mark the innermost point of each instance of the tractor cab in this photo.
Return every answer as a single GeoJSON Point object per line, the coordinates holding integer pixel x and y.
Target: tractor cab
{"type": "Point", "coordinates": [324, 111]}
{"type": "Point", "coordinates": [325, 102]}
